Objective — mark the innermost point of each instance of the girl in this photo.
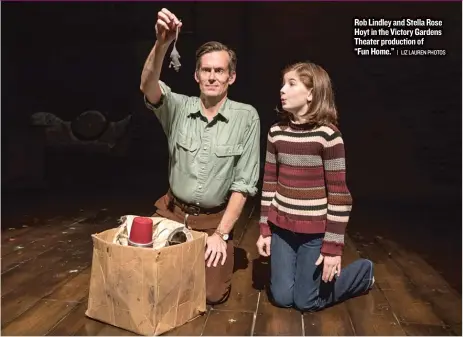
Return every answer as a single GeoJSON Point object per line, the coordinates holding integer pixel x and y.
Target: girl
{"type": "Point", "coordinates": [305, 202]}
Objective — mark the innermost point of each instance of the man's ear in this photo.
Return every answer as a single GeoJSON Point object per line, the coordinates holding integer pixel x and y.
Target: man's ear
{"type": "Point", "coordinates": [232, 78]}
{"type": "Point", "coordinates": [196, 77]}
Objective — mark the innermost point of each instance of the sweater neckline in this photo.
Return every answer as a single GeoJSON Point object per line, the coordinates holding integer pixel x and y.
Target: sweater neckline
{"type": "Point", "coordinates": [300, 127]}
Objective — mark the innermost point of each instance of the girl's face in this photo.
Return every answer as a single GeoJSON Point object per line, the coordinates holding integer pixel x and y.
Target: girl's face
{"type": "Point", "coordinates": [295, 97]}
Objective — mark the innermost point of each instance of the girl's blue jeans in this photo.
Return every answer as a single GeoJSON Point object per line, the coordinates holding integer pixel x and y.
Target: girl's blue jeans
{"type": "Point", "coordinates": [295, 280]}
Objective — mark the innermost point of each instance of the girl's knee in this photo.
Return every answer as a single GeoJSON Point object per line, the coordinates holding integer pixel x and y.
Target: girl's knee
{"type": "Point", "coordinates": [364, 266]}
{"type": "Point", "coordinates": [282, 297]}
{"type": "Point", "coordinates": [305, 305]}
{"type": "Point", "coordinates": [307, 298]}
{"type": "Point", "coordinates": [367, 267]}
{"type": "Point", "coordinates": [367, 263]}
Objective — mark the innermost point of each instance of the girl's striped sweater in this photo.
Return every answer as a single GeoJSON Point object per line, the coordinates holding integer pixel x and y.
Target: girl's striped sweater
{"type": "Point", "coordinates": [304, 184]}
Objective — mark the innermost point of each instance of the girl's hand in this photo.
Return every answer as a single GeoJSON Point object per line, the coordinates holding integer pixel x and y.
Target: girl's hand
{"type": "Point", "coordinates": [331, 266]}
{"type": "Point", "coordinates": [263, 245]}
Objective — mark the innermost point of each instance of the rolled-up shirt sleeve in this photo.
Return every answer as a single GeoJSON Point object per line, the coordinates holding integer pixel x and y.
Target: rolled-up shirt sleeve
{"type": "Point", "coordinates": [247, 168]}
{"type": "Point", "coordinates": [168, 108]}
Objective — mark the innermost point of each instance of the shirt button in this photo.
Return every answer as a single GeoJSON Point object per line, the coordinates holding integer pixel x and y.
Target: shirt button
{"type": "Point", "coordinates": [197, 203]}
{"type": "Point", "coordinates": [202, 168]}
{"type": "Point", "coordinates": [205, 148]}
{"type": "Point", "coordinates": [199, 187]}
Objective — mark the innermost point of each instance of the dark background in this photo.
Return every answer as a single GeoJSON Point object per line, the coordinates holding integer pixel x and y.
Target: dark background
{"type": "Point", "coordinates": [400, 116]}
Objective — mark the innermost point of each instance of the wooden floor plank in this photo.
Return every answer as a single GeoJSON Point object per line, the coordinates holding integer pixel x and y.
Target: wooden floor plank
{"type": "Point", "coordinates": [228, 323]}
{"type": "Point", "coordinates": [194, 327]}
{"type": "Point", "coordinates": [110, 330]}
{"type": "Point", "coordinates": [77, 324]}
{"type": "Point", "coordinates": [38, 241]}
{"type": "Point", "coordinates": [45, 238]}
{"type": "Point", "coordinates": [75, 290]}
{"type": "Point", "coordinates": [21, 299]}
{"type": "Point", "coordinates": [47, 312]}
{"type": "Point", "coordinates": [16, 277]}
{"type": "Point", "coordinates": [418, 329]}
{"type": "Point", "coordinates": [39, 319]}
{"type": "Point", "coordinates": [46, 291]}
{"type": "Point", "coordinates": [408, 306]}
{"type": "Point", "coordinates": [370, 314]}
{"type": "Point", "coordinates": [333, 321]}
{"type": "Point", "coordinates": [274, 321]}
{"type": "Point", "coordinates": [44, 229]}
{"type": "Point", "coordinates": [46, 257]}
{"type": "Point", "coordinates": [428, 283]}
{"type": "Point", "coordinates": [243, 296]}
{"type": "Point", "coordinates": [13, 229]}
{"type": "Point", "coordinates": [16, 303]}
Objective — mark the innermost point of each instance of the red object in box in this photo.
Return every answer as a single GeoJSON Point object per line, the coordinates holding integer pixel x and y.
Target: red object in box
{"type": "Point", "coordinates": [141, 233]}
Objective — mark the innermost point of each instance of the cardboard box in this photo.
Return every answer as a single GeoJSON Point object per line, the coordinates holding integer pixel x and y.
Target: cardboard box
{"type": "Point", "coordinates": [147, 291]}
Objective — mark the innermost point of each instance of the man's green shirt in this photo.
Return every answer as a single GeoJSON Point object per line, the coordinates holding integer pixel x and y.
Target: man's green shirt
{"type": "Point", "coordinates": [209, 159]}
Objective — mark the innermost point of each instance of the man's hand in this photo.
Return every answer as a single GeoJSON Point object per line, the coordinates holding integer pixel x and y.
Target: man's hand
{"type": "Point", "coordinates": [166, 27]}
{"type": "Point", "coordinates": [263, 245]}
{"type": "Point", "coordinates": [331, 266]}
{"type": "Point", "coordinates": [216, 247]}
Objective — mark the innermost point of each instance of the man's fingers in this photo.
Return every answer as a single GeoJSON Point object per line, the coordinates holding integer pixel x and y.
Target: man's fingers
{"type": "Point", "coordinates": [162, 24]}
{"type": "Point", "coordinates": [217, 258]}
{"type": "Point", "coordinates": [171, 16]}
{"type": "Point", "coordinates": [168, 13]}
{"type": "Point", "coordinates": [211, 258]}
{"type": "Point", "coordinates": [164, 17]}
{"type": "Point", "coordinates": [208, 252]}
{"type": "Point", "coordinates": [224, 257]}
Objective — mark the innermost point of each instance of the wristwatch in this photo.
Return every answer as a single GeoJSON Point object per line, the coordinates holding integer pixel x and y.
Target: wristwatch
{"type": "Point", "coordinates": [224, 236]}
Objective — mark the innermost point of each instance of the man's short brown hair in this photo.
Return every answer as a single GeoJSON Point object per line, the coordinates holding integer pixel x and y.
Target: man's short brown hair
{"type": "Point", "coordinates": [212, 46]}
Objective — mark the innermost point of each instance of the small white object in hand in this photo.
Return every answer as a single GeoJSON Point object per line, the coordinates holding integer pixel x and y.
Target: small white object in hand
{"type": "Point", "coordinates": [175, 56]}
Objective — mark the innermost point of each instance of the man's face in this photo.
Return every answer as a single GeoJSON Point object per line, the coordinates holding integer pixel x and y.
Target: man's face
{"type": "Point", "coordinates": [213, 75]}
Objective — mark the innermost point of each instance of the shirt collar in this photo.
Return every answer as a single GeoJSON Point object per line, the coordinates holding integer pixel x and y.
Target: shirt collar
{"type": "Point", "coordinates": [224, 111]}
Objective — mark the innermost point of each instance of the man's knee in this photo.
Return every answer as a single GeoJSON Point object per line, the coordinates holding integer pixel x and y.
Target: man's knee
{"type": "Point", "coordinates": [282, 296]}
{"type": "Point", "coordinates": [217, 295]}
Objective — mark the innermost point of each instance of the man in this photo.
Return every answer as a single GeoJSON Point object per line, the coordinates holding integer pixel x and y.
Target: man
{"type": "Point", "coordinates": [213, 146]}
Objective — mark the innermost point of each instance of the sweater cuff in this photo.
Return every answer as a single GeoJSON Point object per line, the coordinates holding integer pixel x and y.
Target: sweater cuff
{"type": "Point", "coordinates": [265, 229]}
{"type": "Point", "coordinates": [332, 248]}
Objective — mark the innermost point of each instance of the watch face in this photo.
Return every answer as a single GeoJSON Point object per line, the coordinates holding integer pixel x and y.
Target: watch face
{"type": "Point", "coordinates": [225, 237]}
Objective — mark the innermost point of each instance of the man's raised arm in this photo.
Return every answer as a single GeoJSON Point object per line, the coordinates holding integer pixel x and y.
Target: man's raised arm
{"type": "Point", "coordinates": [166, 28]}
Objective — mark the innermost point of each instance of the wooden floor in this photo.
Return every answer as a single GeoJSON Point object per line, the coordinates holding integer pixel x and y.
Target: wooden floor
{"type": "Point", "coordinates": [46, 263]}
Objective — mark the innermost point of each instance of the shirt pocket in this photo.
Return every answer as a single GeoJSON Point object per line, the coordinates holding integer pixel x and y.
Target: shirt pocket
{"type": "Point", "coordinates": [226, 158]}
{"type": "Point", "coordinates": [186, 148]}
